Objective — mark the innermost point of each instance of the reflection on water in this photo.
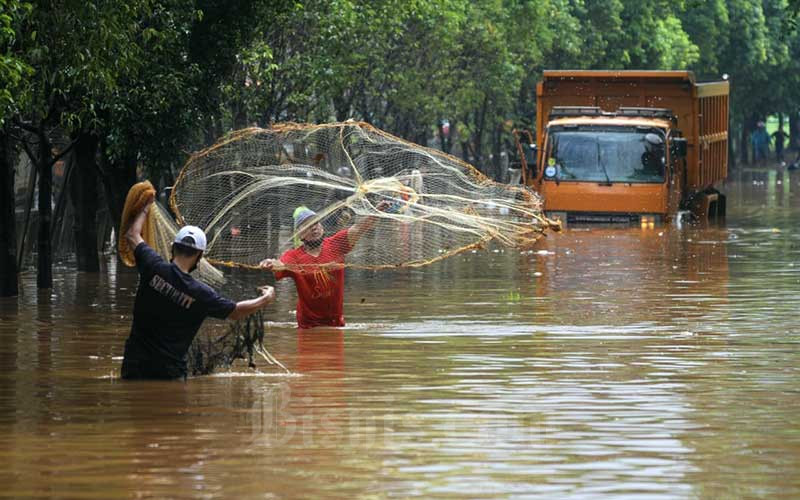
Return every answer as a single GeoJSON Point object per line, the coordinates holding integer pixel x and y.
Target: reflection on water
{"type": "Point", "coordinates": [657, 362]}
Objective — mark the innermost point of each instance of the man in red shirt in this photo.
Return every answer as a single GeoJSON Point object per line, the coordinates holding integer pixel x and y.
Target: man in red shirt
{"type": "Point", "coordinates": [316, 265]}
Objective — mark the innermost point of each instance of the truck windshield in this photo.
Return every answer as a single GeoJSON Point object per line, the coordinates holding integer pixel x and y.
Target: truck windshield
{"type": "Point", "coordinates": [607, 154]}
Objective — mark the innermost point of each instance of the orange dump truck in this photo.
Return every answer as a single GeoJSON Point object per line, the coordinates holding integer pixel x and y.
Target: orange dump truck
{"type": "Point", "coordinates": [629, 146]}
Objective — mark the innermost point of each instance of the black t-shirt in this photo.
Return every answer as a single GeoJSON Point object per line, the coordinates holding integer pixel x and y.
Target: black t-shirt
{"type": "Point", "coordinates": [170, 306]}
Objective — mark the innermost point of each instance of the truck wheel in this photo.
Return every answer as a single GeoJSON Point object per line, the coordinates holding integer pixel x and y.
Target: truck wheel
{"type": "Point", "coordinates": [708, 205]}
{"type": "Point", "coordinates": [716, 204]}
{"type": "Point", "coordinates": [717, 208]}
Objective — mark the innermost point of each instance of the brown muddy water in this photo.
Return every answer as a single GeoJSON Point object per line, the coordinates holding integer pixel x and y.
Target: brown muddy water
{"type": "Point", "coordinates": [646, 362]}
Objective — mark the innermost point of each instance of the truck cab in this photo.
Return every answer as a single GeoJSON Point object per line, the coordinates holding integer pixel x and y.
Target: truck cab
{"type": "Point", "coordinates": [623, 166]}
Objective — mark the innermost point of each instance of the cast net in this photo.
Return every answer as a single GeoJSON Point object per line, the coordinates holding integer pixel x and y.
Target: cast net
{"type": "Point", "coordinates": [412, 205]}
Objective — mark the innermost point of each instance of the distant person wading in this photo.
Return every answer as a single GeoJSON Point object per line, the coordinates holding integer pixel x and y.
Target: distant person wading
{"type": "Point", "coordinates": [779, 137]}
{"type": "Point", "coordinates": [760, 142]}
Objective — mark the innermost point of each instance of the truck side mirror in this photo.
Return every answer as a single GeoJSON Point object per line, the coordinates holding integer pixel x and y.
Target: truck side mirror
{"type": "Point", "coordinates": [679, 147]}
{"type": "Point", "coordinates": [532, 156]}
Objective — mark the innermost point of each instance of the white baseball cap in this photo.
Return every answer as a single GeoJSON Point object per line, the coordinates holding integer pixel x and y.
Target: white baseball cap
{"type": "Point", "coordinates": [192, 237]}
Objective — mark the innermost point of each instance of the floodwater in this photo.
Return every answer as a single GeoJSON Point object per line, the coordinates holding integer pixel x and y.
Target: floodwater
{"type": "Point", "coordinates": [647, 362]}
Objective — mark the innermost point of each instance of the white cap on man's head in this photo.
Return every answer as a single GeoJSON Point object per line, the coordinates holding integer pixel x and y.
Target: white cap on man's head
{"type": "Point", "coordinates": [192, 237]}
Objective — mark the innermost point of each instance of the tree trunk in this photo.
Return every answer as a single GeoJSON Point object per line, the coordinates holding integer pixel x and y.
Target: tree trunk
{"type": "Point", "coordinates": [44, 276]}
{"type": "Point", "coordinates": [526, 102]}
{"type": "Point", "coordinates": [464, 138]}
{"type": "Point", "coordinates": [748, 127]}
{"type": "Point", "coordinates": [497, 170]}
{"type": "Point", "coordinates": [83, 189]}
{"type": "Point", "coordinates": [465, 152]}
{"type": "Point", "coordinates": [57, 229]}
{"type": "Point", "coordinates": [341, 108]}
{"type": "Point", "coordinates": [477, 138]}
{"type": "Point", "coordinates": [117, 181]}
{"type": "Point", "coordinates": [421, 137]}
{"type": "Point", "coordinates": [744, 145]}
{"type": "Point", "coordinates": [731, 140]}
{"type": "Point", "coordinates": [26, 225]}
{"type": "Point", "coordinates": [794, 131]}
{"type": "Point", "coordinates": [8, 225]}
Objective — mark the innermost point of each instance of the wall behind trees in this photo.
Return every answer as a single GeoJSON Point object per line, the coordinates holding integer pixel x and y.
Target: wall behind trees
{"type": "Point", "coordinates": [140, 84]}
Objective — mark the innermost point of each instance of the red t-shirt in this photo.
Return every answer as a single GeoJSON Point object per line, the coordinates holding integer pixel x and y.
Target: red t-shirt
{"type": "Point", "coordinates": [320, 291]}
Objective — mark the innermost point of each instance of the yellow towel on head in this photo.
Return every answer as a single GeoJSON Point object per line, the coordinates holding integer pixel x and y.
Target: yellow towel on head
{"type": "Point", "coordinates": [138, 195]}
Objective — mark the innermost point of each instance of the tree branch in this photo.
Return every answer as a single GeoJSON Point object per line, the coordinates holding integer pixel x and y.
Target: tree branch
{"type": "Point", "coordinates": [15, 137]}
{"type": "Point", "coordinates": [25, 126]}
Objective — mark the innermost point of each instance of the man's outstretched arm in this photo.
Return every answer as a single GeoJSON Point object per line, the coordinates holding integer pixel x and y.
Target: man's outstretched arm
{"type": "Point", "coordinates": [361, 227]}
{"type": "Point", "coordinates": [245, 308]}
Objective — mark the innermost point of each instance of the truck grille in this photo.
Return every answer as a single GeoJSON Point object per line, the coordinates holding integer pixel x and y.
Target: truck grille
{"type": "Point", "coordinates": [602, 218]}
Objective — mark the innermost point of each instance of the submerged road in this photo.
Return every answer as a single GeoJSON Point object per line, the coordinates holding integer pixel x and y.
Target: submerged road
{"type": "Point", "coordinates": [661, 362]}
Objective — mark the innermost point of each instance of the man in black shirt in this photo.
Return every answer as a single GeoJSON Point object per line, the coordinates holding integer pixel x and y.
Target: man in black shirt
{"type": "Point", "coordinates": [779, 136]}
{"type": "Point", "coordinates": [171, 305]}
